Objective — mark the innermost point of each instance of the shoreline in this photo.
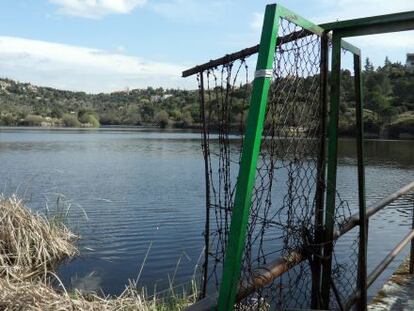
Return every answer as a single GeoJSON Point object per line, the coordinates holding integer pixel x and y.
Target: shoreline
{"type": "Point", "coordinates": [152, 128]}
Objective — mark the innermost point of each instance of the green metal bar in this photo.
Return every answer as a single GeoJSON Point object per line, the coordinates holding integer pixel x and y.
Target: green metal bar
{"type": "Point", "coordinates": [314, 28]}
{"type": "Point", "coordinates": [363, 219]}
{"type": "Point", "coordinates": [351, 48]}
{"type": "Point", "coordinates": [299, 20]}
{"type": "Point", "coordinates": [332, 167]}
{"type": "Point", "coordinates": [370, 21]}
{"type": "Point", "coordinates": [261, 84]}
{"type": "Point", "coordinates": [378, 29]}
{"type": "Point", "coordinates": [320, 190]}
{"type": "Point", "coordinates": [374, 24]}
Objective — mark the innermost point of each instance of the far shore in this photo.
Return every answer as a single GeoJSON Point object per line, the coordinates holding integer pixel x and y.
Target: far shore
{"type": "Point", "coordinates": [152, 128]}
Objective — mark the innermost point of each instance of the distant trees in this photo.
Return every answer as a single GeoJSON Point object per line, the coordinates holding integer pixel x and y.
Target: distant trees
{"type": "Point", "coordinates": [70, 120]}
{"type": "Point", "coordinates": [388, 101]}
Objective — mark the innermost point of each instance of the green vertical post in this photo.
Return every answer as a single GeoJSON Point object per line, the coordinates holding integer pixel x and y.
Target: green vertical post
{"type": "Point", "coordinates": [363, 219]}
{"type": "Point", "coordinates": [232, 264]}
{"type": "Point", "coordinates": [332, 168]}
{"type": "Point", "coordinates": [320, 189]}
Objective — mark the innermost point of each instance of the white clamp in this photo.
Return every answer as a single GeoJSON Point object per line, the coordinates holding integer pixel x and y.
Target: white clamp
{"type": "Point", "coordinates": [266, 73]}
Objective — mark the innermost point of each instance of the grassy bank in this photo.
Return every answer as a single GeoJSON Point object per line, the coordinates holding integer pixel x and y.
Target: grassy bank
{"type": "Point", "coordinates": [31, 248]}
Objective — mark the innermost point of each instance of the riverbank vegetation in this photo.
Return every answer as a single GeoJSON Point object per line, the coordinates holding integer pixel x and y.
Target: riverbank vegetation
{"type": "Point", "coordinates": [31, 248]}
{"type": "Point", "coordinates": [388, 98]}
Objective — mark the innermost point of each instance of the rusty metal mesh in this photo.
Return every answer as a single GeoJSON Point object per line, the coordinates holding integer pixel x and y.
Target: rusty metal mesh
{"type": "Point", "coordinates": [282, 214]}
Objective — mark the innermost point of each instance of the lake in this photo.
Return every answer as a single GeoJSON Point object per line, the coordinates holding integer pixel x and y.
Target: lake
{"type": "Point", "coordinates": [133, 192]}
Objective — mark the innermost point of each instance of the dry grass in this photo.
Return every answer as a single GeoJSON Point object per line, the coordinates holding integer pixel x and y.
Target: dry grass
{"type": "Point", "coordinates": [39, 296]}
{"type": "Point", "coordinates": [30, 245]}
{"type": "Point", "coordinates": [31, 248]}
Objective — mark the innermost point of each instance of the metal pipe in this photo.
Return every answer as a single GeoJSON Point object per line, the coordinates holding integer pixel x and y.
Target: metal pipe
{"type": "Point", "coordinates": [242, 53]}
{"type": "Point", "coordinates": [280, 266]}
{"type": "Point", "coordinates": [260, 277]}
{"type": "Point", "coordinates": [381, 267]}
{"type": "Point", "coordinates": [384, 264]}
{"type": "Point", "coordinates": [228, 58]}
{"type": "Point", "coordinates": [353, 221]}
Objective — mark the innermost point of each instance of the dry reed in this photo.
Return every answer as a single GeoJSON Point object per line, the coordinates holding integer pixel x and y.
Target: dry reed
{"type": "Point", "coordinates": [39, 296]}
{"type": "Point", "coordinates": [31, 248]}
{"type": "Point", "coordinates": [30, 245]}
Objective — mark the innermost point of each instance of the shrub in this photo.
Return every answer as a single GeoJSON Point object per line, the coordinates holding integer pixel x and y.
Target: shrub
{"type": "Point", "coordinates": [70, 121]}
{"type": "Point", "coordinates": [88, 118]}
{"type": "Point", "coordinates": [161, 118]}
{"type": "Point", "coordinates": [33, 120]}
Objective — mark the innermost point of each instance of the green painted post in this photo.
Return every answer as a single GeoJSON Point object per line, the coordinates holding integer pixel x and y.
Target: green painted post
{"type": "Point", "coordinates": [332, 166]}
{"type": "Point", "coordinates": [363, 219]}
{"type": "Point", "coordinates": [247, 173]}
{"type": "Point", "coordinates": [320, 189]}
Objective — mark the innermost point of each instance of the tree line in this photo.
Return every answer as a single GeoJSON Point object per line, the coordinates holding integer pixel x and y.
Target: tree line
{"type": "Point", "coordinates": [388, 99]}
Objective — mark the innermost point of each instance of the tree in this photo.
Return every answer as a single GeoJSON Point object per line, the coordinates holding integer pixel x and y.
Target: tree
{"type": "Point", "coordinates": [70, 120]}
{"type": "Point", "coordinates": [368, 65]}
{"type": "Point", "coordinates": [161, 118]}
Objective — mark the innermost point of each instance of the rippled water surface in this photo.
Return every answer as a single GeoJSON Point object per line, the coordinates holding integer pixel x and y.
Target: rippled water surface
{"type": "Point", "coordinates": [144, 191]}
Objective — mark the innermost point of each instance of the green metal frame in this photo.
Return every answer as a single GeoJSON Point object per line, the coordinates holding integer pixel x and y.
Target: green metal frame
{"type": "Point", "coordinates": [350, 28]}
{"type": "Point", "coordinates": [240, 215]}
{"type": "Point", "coordinates": [269, 40]}
{"type": "Point", "coordinates": [332, 168]}
{"type": "Point", "coordinates": [332, 171]}
{"type": "Point", "coordinates": [373, 25]}
{"type": "Point", "coordinates": [232, 264]}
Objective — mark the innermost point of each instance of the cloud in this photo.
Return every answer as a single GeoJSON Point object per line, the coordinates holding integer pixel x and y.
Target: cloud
{"type": "Point", "coordinates": [257, 22]}
{"type": "Point", "coordinates": [85, 69]}
{"type": "Point", "coordinates": [193, 11]}
{"type": "Point", "coordinates": [96, 9]}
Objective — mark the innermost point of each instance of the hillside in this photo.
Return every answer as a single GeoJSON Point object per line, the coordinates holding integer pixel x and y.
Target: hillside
{"type": "Point", "coordinates": [29, 105]}
{"type": "Point", "coordinates": [388, 98]}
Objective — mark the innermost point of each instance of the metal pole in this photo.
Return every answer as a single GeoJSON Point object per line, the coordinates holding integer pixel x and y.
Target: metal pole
{"type": "Point", "coordinates": [411, 268]}
{"type": "Point", "coordinates": [381, 267]}
{"type": "Point", "coordinates": [320, 179]}
{"type": "Point", "coordinates": [233, 258]}
{"type": "Point", "coordinates": [207, 180]}
{"type": "Point", "coordinates": [363, 219]}
{"type": "Point", "coordinates": [387, 260]}
{"type": "Point", "coordinates": [332, 168]}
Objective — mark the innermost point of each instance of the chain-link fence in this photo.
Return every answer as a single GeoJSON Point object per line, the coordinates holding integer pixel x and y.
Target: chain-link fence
{"type": "Point", "coordinates": [288, 176]}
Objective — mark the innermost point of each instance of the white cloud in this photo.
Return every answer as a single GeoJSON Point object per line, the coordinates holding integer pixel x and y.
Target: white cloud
{"type": "Point", "coordinates": [96, 8]}
{"type": "Point", "coordinates": [257, 22]}
{"type": "Point", "coordinates": [86, 69]}
{"type": "Point", "coordinates": [191, 10]}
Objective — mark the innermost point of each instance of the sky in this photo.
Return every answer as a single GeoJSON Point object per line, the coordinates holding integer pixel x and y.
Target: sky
{"type": "Point", "coordinates": [110, 45]}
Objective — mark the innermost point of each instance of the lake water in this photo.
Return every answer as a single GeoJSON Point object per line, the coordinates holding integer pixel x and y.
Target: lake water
{"type": "Point", "coordinates": [143, 191]}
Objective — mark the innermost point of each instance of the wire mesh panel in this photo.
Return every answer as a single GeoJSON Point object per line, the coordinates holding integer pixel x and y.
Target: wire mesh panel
{"type": "Point", "coordinates": [288, 175]}
{"type": "Point", "coordinates": [225, 100]}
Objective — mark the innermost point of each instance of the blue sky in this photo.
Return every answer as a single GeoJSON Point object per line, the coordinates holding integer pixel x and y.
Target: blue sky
{"type": "Point", "coordinates": [107, 45]}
